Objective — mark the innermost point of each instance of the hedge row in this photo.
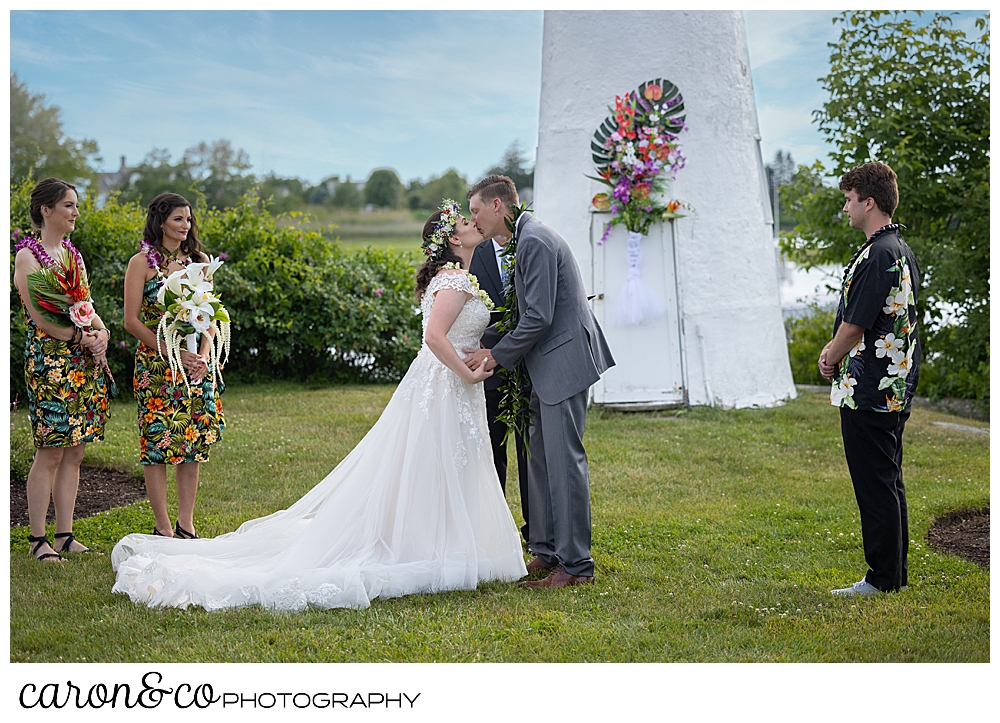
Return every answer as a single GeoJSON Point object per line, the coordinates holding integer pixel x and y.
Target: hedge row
{"type": "Point", "coordinates": [302, 307]}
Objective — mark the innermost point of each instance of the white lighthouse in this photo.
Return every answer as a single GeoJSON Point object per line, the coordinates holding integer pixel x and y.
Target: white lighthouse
{"type": "Point", "coordinates": [721, 340]}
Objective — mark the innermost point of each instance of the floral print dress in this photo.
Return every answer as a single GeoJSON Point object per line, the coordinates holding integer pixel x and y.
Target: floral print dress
{"type": "Point", "coordinates": [67, 392]}
{"type": "Point", "coordinates": [175, 427]}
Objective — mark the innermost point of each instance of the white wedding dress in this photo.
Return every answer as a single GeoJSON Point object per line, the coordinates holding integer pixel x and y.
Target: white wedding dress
{"type": "Point", "coordinates": [416, 507]}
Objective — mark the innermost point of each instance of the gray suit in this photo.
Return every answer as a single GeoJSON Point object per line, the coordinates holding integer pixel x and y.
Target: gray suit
{"type": "Point", "coordinates": [565, 352]}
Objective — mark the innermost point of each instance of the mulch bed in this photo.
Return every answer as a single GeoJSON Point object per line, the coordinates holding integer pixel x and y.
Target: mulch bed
{"type": "Point", "coordinates": [965, 533]}
{"type": "Point", "coordinates": [100, 489]}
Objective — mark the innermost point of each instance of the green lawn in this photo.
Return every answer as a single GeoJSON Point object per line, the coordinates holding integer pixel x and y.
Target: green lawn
{"type": "Point", "coordinates": [717, 537]}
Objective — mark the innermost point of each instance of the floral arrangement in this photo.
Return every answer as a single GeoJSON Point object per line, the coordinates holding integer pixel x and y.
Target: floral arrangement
{"type": "Point", "coordinates": [635, 151]}
{"type": "Point", "coordinates": [191, 308]}
{"type": "Point", "coordinates": [482, 295]}
{"type": "Point", "coordinates": [60, 293]}
{"type": "Point", "coordinates": [444, 229]}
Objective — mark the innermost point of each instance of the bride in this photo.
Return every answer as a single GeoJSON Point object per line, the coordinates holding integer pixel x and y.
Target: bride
{"type": "Point", "coordinates": [416, 507]}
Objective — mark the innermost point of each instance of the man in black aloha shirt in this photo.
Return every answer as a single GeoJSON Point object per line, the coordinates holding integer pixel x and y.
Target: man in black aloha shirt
{"type": "Point", "coordinates": [873, 361]}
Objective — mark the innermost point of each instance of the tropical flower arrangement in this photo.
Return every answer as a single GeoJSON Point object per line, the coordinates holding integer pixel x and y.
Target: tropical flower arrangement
{"type": "Point", "coordinates": [636, 150]}
{"type": "Point", "coordinates": [192, 308]}
{"type": "Point", "coordinates": [60, 293]}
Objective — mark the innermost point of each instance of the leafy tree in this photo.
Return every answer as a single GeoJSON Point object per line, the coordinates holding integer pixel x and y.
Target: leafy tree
{"type": "Point", "coordinates": [915, 96]}
{"type": "Point", "coordinates": [38, 146]}
{"type": "Point", "coordinates": [515, 165]}
{"type": "Point", "coordinates": [156, 175]}
{"type": "Point", "coordinates": [780, 172]}
{"type": "Point", "coordinates": [285, 194]}
{"type": "Point", "coordinates": [346, 195]}
{"type": "Point", "coordinates": [428, 196]}
{"type": "Point", "coordinates": [218, 170]}
{"type": "Point", "coordinates": [383, 189]}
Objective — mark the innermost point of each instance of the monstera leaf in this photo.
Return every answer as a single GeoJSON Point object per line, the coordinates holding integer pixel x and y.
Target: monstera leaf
{"type": "Point", "coordinates": [657, 97]}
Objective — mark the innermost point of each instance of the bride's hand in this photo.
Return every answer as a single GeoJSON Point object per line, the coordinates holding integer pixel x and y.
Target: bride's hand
{"type": "Point", "coordinates": [481, 372]}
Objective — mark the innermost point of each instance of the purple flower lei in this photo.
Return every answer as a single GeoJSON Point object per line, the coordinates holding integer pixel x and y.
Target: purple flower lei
{"type": "Point", "coordinates": [153, 258]}
{"type": "Point", "coordinates": [36, 248]}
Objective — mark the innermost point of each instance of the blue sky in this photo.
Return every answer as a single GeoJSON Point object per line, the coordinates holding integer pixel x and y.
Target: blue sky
{"type": "Point", "coordinates": [312, 94]}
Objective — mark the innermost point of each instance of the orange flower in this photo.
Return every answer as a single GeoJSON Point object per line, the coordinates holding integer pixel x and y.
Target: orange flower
{"type": "Point", "coordinates": [76, 378]}
{"type": "Point", "coordinates": [673, 206]}
{"type": "Point", "coordinates": [149, 417]}
{"type": "Point", "coordinates": [663, 152]}
{"type": "Point", "coordinates": [653, 92]}
{"type": "Point", "coordinates": [155, 404]}
{"type": "Point", "coordinates": [190, 434]}
{"type": "Point", "coordinates": [641, 191]}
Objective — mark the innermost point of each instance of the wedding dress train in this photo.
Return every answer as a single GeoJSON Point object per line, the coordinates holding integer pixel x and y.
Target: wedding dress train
{"type": "Point", "coordinates": [416, 507]}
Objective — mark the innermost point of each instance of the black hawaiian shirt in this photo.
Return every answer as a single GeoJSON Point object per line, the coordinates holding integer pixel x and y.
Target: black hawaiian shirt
{"type": "Point", "coordinates": [879, 293]}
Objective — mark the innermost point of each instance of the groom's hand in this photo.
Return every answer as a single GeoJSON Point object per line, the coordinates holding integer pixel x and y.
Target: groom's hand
{"type": "Point", "coordinates": [476, 357]}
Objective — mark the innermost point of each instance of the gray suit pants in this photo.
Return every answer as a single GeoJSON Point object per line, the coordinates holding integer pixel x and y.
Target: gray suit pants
{"type": "Point", "coordinates": [559, 485]}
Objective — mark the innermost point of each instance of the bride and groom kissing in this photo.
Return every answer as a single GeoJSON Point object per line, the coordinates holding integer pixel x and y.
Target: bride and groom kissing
{"type": "Point", "coordinates": [417, 506]}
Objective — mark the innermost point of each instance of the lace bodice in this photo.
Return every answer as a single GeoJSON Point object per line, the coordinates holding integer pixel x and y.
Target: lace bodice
{"type": "Point", "coordinates": [471, 321]}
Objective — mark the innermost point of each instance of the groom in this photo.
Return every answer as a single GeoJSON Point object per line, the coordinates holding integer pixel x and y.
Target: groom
{"type": "Point", "coordinates": [564, 351]}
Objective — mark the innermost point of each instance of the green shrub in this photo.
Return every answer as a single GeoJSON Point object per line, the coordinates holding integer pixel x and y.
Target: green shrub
{"type": "Point", "coordinates": [807, 335]}
{"type": "Point", "coordinates": [302, 308]}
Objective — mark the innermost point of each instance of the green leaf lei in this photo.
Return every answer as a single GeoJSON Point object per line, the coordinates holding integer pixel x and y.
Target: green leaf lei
{"type": "Point", "coordinates": [516, 387]}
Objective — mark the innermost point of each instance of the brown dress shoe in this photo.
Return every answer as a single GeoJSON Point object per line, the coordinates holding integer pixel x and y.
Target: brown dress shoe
{"type": "Point", "coordinates": [537, 564]}
{"type": "Point", "coordinates": [558, 578]}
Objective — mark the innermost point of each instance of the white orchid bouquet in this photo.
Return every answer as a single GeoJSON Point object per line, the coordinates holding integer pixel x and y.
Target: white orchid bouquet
{"type": "Point", "coordinates": [192, 308]}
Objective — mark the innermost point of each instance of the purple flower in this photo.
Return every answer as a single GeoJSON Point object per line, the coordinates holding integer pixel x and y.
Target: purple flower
{"type": "Point", "coordinates": [223, 256]}
{"type": "Point", "coordinates": [378, 292]}
{"type": "Point", "coordinates": [123, 345]}
{"type": "Point", "coordinates": [615, 136]}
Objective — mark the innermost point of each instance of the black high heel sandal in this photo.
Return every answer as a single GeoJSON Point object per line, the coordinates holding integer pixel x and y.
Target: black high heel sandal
{"type": "Point", "coordinates": [184, 534]}
{"type": "Point", "coordinates": [42, 540]}
{"type": "Point", "coordinates": [69, 541]}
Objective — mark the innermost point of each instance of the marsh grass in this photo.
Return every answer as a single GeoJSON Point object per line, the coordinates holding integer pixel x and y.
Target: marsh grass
{"type": "Point", "coordinates": [717, 537]}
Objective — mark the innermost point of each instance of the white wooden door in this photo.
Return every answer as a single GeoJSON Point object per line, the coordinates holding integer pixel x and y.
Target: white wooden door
{"type": "Point", "coordinates": [649, 357]}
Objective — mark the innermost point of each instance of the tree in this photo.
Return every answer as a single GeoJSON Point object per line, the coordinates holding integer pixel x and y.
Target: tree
{"type": "Point", "coordinates": [218, 171]}
{"type": "Point", "coordinates": [515, 166]}
{"type": "Point", "coordinates": [383, 189]}
{"type": "Point", "coordinates": [430, 195]}
{"type": "Point", "coordinates": [156, 175]}
{"type": "Point", "coordinates": [780, 172]}
{"type": "Point", "coordinates": [38, 146]}
{"type": "Point", "coordinates": [346, 195]}
{"type": "Point", "coordinates": [915, 97]}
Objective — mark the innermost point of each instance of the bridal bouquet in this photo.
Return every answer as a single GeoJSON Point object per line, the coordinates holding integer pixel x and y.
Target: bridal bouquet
{"type": "Point", "coordinates": [635, 150]}
{"type": "Point", "coordinates": [192, 308]}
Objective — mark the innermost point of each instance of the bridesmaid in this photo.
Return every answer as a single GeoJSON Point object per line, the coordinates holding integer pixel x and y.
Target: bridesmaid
{"type": "Point", "coordinates": [175, 427]}
{"type": "Point", "coordinates": [65, 371]}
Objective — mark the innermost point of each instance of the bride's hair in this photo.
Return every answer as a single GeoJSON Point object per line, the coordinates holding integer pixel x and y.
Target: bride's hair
{"type": "Point", "coordinates": [430, 268]}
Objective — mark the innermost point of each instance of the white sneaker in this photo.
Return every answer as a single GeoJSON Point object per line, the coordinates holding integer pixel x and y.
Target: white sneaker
{"type": "Point", "coordinates": [861, 587]}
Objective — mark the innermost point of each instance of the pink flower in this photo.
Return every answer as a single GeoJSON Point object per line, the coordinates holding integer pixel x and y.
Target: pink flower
{"type": "Point", "coordinates": [82, 313]}
{"type": "Point", "coordinates": [223, 256]}
{"type": "Point", "coordinates": [378, 292]}
{"type": "Point", "coordinates": [601, 202]}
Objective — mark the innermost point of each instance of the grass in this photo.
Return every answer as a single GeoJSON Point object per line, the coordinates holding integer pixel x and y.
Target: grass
{"type": "Point", "coordinates": [717, 537]}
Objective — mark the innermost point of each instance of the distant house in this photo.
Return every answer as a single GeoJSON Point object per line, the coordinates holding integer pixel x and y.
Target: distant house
{"type": "Point", "coordinates": [114, 180]}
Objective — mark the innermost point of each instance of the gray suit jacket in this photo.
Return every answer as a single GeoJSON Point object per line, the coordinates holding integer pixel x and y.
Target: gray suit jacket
{"type": "Point", "coordinates": [557, 334]}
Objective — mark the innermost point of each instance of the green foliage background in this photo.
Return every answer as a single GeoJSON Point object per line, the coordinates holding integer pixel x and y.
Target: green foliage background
{"type": "Point", "coordinates": [913, 93]}
{"type": "Point", "coordinates": [807, 335]}
{"type": "Point", "coordinates": [302, 307]}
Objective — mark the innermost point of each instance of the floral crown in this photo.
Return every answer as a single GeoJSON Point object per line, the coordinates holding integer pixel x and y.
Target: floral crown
{"type": "Point", "coordinates": [444, 229]}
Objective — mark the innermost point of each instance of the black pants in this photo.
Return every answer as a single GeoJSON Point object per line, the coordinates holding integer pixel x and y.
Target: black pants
{"type": "Point", "coordinates": [497, 432]}
{"type": "Point", "coordinates": [873, 444]}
